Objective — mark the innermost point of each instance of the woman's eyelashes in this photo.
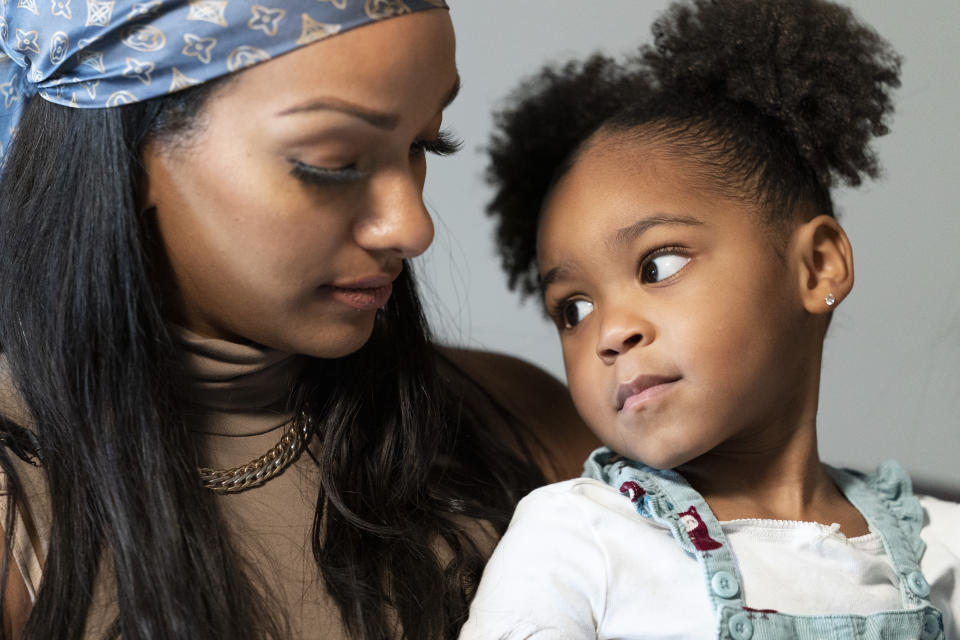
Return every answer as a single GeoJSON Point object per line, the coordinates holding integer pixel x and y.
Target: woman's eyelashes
{"type": "Point", "coordinates": [323, 176]}
{"type": "Point", "coordinates": [444, 144]}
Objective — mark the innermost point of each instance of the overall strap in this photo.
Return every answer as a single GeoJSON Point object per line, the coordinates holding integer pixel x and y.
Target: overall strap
{"type": "Point", "coordinates": [886, 501]}
{"type": "Point", "coordinates": [885, 498]}
{"type": "Point", "coordinates": [665, 497]}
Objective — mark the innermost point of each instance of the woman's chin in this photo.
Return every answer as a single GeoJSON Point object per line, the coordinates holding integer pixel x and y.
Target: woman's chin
{"type": "Point", "coordinates": [330, 341]}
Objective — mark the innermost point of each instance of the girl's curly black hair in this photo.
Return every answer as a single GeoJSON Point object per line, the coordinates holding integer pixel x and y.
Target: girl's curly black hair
{"type": "Point", "coordinates": [775, 100]}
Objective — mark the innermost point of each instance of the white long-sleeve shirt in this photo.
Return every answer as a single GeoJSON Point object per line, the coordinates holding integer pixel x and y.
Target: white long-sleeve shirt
{"type": "Point", "coordinates": [579, 562]}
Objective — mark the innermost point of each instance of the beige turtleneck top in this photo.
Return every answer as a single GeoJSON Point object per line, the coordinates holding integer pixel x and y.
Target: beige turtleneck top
{"type": "Point", "coordinates": [238, 392]}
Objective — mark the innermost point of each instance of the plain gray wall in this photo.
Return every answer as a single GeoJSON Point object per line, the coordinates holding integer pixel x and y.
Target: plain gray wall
{"type": "Point", "coordinates": [891, 375]}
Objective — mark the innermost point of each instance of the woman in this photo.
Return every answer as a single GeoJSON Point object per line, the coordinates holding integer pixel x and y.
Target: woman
{"type": "Point", "coordinates": [196, 288]}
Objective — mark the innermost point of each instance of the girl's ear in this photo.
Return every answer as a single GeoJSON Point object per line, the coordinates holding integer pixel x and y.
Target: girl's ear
{"type": "Point", "coordinates": [825, 259]}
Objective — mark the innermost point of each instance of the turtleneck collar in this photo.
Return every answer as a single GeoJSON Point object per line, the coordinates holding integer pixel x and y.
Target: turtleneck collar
{"type": "Point", "coordinates": [236, 389]}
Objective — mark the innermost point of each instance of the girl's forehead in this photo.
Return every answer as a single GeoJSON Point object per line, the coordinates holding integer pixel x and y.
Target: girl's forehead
{"type": "Point", "coordinates": [616, 191]}
{"type": "Point", "coordinates": [611, 180]}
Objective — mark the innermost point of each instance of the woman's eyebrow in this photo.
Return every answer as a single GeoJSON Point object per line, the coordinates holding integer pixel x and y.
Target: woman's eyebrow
{"type": "Point", "coordinates": [452, 94]}
{"type": "Point", "coordinates": [378, 119]}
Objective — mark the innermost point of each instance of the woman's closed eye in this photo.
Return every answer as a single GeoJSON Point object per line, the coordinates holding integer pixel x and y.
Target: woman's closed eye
{"type": "Point", "coordinates": [663, 264]}
{"type": "Point", "coordinates": [444, 144]}
{"type": "Point", "coordinates": [325, 176]}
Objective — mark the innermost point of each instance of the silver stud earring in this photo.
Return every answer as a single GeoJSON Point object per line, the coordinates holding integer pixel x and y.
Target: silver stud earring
{"type": "Point", "coordinates": [830, 299]}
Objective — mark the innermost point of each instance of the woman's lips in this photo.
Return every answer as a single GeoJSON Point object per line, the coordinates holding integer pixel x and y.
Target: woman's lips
{"type": "Point", "coordinates": [364, 294]}
{"type": "Point", "coordinates": [641, 390]}
{"type": "Point", "coordinates": [363, 298]}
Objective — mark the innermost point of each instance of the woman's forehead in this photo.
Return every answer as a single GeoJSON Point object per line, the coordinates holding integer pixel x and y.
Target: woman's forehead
{"type": "Point", "coordinates": [380, 68]}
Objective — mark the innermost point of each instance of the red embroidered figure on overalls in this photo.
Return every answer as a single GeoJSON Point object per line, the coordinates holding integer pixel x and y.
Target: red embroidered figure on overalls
{"type": "Point", "coordinates": [632, 490]}
{"type": "Point", "coordinates": [763, 612]}
{"type": "Point", "coordinates": [697, 530]}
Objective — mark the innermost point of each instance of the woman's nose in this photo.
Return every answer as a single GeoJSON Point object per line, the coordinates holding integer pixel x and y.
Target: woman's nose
{"type": "Point", "coordinates": [397, 220]}
{"type": "Point", "coordinates": [621, 331]}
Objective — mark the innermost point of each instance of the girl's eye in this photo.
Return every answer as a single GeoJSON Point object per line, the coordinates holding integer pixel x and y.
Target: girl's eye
{"type": "Point", "coordinates": [444, 144]}
{"type": "Point", "coordinates": [572, 312]}
{"type": "Point", "coordinates": [323, 176]}
{"type": "Point", "coordinates": [660, 267]}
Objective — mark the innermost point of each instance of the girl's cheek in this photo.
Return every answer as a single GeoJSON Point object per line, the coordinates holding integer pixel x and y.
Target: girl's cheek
{"type": "Point", "coordinates": [586, 392]}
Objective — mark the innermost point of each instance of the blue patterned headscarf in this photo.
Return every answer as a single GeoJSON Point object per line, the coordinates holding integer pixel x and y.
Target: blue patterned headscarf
{"type": "Point", "coordinates": [104, 53]}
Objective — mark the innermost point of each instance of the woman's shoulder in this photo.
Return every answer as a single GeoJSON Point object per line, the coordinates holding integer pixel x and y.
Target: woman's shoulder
{"type": "Point", "coordinates": [538, 401]}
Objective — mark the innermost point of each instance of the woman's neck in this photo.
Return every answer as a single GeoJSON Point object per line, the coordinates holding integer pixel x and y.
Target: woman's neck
{"type": "Point", "coordinates": [235, 389]}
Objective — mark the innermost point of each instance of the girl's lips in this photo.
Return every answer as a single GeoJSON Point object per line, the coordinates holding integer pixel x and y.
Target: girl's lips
{"type": "Point", "coordinates": [363, 298]}
{"type": "Point", "coordinates": [642, 389]}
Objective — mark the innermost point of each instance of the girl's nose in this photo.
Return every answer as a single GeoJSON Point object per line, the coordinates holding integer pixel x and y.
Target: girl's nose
{"type": "Point", "coordinates": [620, 332]}
{"type": "Point", "coordinates": [398, 221]}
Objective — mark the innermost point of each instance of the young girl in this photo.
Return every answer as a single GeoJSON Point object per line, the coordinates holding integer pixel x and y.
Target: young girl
{"type": "Point", "coordinates": [676, 213]}
{"type": "Point", "coordinates": [221, 410]}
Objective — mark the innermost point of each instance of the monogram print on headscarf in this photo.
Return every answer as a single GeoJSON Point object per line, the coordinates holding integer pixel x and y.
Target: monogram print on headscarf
{"type": "Point", "coordinates": [179, 81]}
{"type": "Point", "coordinates": [144, 38]}
{"type": "Point", "coordinates": [245, 56]}
{"type": "Point", "coordinates": [59, 43]}
{"type": "Point", "coordinates": [118, 98]}
{"type": "Point", "coordinates": [266, 19]}
{"type": "Point", "coordinates": [99, 14]}
{"type": "Point", "coordinates": [105, 53]}
{"type": "Point", "coordinates": [380, 9]}
{"type": "Point", "coordinates": [10, 93]}
{"type": "Point", "coordinates": [28, 41]}
{"type": "Point", "coordinates": [140, 70]}
{"type": "Point", "coordinates": [313, 30]}
{"type": "Point", "coordinates": [62, 8]}
{"type": "Point", "coordinates": [144, 9]}
{"type": "Point", "coordinates": [199, 47]}
{"type": "Point", "coordinates": [29, 5]}
{"type": "Point", "coordinates": [209, 11]}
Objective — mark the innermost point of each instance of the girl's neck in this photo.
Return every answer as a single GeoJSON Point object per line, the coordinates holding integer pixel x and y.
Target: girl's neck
{"type": "Point", "coordinates": [782, 480]}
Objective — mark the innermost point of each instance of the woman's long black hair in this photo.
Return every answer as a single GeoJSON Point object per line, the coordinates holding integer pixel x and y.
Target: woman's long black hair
{"type": "Point", "coordinates": [404, 461]}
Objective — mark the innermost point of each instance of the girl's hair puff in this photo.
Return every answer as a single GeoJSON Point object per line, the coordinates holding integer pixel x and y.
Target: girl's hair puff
{"type": "Point", "coordinates": [776, 100]}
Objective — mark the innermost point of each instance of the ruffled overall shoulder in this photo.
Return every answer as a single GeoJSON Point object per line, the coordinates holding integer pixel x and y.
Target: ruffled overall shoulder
{"type": "Point", "coordinates": [891, 484]}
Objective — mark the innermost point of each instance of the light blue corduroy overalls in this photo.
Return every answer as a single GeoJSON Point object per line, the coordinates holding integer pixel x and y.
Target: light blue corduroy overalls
{"type": "Point", "coordinates": [885, 500]}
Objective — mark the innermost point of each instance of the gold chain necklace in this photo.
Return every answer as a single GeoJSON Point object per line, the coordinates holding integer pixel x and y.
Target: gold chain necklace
{"type": "Point", "coordinates": [271, 464]}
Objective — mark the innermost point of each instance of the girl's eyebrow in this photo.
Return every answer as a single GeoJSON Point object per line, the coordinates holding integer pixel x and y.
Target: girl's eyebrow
{"type": "Point", "coordinates": [621, 237]}
{"type": "Point", "coordinates": [633, 231]}
{"type": "Point", "coordinates": [559, 272]}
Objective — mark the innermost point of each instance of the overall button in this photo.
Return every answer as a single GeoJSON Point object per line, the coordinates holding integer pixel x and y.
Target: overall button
{"type": "Point", "coordinates": [918, 584]}
{"type": "Point", "coordinates": [740, 626]}
{"type": "Point", "coordinates": [931, 627]}
{"type": "Point", "coordinates": [724, 584]}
